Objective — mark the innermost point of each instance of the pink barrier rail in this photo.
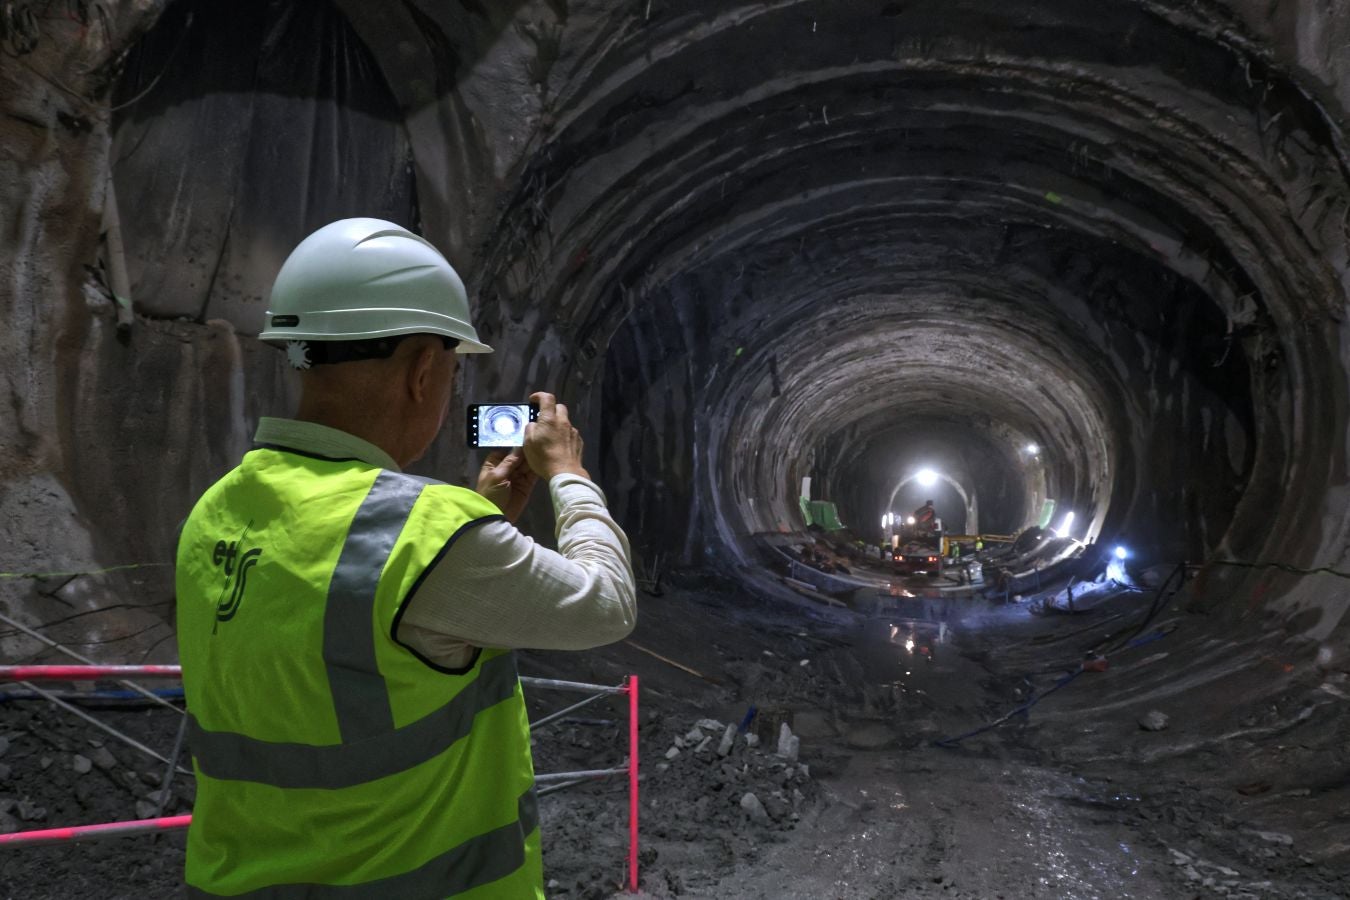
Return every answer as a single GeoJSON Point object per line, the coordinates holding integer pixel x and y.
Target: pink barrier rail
{"type": "Point", "coordinates": [93, 832]}
{"type": "Point", "coordinates": [86, 673]}
{"type": "Point", "coordinates": [631, 686]}
{"type": "Point", "coordinates": [171, 823]}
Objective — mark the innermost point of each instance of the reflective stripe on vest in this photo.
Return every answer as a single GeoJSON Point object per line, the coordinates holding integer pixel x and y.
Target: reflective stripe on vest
{"type": "Point", "coordinates": [493, 855]}
{"type": "Point", "coordinates": [223, 754]}
{"type": "Point", "coordinates": [360, 697]}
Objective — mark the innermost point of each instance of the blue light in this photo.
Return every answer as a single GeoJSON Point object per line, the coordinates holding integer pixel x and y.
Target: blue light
{"type": "Point", "coordinates": [1121, 553]}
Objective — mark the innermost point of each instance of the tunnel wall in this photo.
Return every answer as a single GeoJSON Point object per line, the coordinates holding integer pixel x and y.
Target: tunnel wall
{"type": "Point", "coordinates": [240, 129]}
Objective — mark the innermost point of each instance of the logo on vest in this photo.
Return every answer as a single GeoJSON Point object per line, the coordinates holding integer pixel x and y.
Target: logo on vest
{"type": "Point", "coordinates": [236, 562]}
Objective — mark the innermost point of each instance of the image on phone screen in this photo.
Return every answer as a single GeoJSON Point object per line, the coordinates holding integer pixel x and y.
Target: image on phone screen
{"type": "Point", "coordinates": [500, 424]}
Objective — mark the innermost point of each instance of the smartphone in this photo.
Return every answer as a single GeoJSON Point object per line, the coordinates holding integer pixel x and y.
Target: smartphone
{"type": "Point", "coordinates": [500, 424]}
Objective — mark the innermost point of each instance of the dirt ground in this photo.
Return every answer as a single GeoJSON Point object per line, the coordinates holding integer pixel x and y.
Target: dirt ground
{"type": "Point", "coordinates": [1243, 794]}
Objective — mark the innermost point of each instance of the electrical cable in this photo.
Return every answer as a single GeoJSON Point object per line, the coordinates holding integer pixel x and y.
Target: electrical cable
{"type": "Point", "coordinates": [1160, 600]}
{"type": "Point", "coordinates": [953, 741]}
{"type": "Point", "coordinates": [1283, 567]}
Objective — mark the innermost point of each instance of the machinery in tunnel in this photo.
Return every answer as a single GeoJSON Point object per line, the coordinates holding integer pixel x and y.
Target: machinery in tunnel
{"type": "Point", "coordinates": [1086, 261]}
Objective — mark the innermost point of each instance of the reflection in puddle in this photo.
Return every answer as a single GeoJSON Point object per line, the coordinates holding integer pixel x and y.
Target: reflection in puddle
{"type": "Point", "coordinates": [892, 649]}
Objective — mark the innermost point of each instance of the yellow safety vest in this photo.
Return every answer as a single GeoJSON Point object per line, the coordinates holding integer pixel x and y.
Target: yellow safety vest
{"type": "Point", "coordinates": [331, 760]}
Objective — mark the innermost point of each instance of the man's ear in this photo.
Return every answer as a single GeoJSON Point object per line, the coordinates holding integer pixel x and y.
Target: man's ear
{"type": "Point", "coordinates": [421, 373]}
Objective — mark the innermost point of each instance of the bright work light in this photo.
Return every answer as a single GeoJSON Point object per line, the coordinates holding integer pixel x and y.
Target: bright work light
{"type": "Point", "coordinates": [1121, 553]}
{"type": "Point", "coordinates": [926, 477]}
{"type": "Point", "coordinates": [1064, 527]}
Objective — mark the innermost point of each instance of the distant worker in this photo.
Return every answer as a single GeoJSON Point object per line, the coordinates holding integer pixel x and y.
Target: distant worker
{"type": "Point", "coordinates": [925, 516]}
{"type": "Point", "coordinates": [357, 726]}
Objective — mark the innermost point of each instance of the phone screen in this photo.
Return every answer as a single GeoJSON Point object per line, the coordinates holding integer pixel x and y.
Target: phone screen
{"type": "Point", "coordinates": [500, 424]}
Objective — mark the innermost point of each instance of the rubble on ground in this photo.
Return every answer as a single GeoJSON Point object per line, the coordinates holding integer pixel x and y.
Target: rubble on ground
{"type": "Point", "coordinates": [706, 783]}
{"type": "Point", "coordinates": [1154, 721]}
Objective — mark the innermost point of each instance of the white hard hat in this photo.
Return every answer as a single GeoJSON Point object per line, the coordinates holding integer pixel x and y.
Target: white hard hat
{"type": "Point", "coordinates": [362, 279]}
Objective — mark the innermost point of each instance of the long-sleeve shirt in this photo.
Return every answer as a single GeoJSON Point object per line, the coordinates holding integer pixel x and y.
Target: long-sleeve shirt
{"type": "Point", "coordinates": [494, 586]}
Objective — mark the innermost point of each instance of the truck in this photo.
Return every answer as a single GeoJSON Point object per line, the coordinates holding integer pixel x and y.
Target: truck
{"type": "Point", "coordinates": [918, 551]}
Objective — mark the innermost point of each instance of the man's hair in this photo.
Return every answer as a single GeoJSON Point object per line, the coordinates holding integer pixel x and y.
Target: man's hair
{"type": "Point", "coordinates": [331, 352]}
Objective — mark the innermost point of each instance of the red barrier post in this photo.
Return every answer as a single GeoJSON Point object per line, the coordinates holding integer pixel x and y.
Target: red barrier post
{"type": "Point", "coordinates": [91, 832]}
{"type": "Point", "coordinates": [86, 673]}
{"type": "Point", "coordinates": [632, 688]}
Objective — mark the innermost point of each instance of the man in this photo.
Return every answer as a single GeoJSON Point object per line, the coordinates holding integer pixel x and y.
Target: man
{"type": "Point", "coordinates": [357, 725]}
{"type": "Point", "coordinates": [925, 517]}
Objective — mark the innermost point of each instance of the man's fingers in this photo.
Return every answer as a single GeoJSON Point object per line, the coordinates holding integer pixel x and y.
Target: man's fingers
{"type": "Point", "coordinates": [545, 401]}
{"type": "Point", "coordinates": [494, 459]}
{"type": "Point", "coordinates": [512, 464]}
{"type": "Point", "coordinates": [560, 412]}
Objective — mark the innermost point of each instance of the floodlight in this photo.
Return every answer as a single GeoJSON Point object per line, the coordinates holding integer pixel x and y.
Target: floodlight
{"type": "Point", "coordinates": [1064, 527]}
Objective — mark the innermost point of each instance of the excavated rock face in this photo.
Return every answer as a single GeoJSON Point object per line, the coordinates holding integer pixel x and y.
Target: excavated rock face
{"type": "Point", "coordinates": [846, 240]}
{"type": "Point", "coordinates": [56, 75]}
{"type": "Point", "coordinates": [751, 243]}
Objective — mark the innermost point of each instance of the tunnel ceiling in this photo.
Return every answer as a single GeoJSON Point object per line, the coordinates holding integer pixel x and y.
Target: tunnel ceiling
{"type": "Point", "coordinates": [796, 238]}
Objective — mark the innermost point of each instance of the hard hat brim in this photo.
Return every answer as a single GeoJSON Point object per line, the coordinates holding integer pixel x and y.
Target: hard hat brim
{"type": "Point", "coordinates": [356, 325]}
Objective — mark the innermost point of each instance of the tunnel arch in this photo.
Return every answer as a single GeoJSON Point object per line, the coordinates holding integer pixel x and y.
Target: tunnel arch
{"type": "Point", "coordinates": [971, 512]}
{"type": "Point", "coordinates": [1188, 206]}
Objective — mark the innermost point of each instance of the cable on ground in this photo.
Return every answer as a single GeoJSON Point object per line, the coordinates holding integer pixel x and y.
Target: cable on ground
{"type": "Point", "coordinates": [1283, 567]}
{"type": "Point", "coordinates": [1159, 602]}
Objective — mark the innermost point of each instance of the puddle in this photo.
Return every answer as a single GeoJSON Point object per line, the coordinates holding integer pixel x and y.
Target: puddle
{"type": "Point", "coordinates": [892, 649]}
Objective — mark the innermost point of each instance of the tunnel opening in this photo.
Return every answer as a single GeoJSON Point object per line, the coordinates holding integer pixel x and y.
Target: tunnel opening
{"type": "Point", "coordinates": [944, 492]}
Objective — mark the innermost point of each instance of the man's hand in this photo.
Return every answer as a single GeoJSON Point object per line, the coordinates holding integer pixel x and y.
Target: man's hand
{"type": "Point", "coordinates": [507, 480]}
{"type": "Point", "coordinates": [552, 445]}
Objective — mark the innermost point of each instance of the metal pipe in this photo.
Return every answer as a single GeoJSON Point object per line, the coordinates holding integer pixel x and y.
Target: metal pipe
{"type": "Point", "coordinates": [7, 696]}
{"type": "Point", "coordinates": [590, 773]}
{"type": "Point", "coordinates": [129, 741]}
{"type": "Point", "coordinates": [570, 685]}
{"type": "Point", "coordinates": [553, 789]}
{"type": "Point", "coordinates": [562, 712]}
{"type": "Point", "coordinates": [92, 832]}
{"type": "Point", "coordinates": [131, 685]}
{"type": "Point", "coordinates": [166, 782]}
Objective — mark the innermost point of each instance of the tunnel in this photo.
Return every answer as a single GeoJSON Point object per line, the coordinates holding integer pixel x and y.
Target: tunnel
{"type": "Point", "coordinates": [1071, 270]}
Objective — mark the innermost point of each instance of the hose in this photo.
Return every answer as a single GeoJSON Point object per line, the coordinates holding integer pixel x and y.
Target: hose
{"type": "Point", "coordinates": [953, 741]}
{"type": "Point", "coordinates": [1160, 600]}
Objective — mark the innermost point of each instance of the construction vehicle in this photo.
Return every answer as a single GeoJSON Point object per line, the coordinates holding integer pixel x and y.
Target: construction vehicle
{"type": "Point", "coordinates": [917, 550]}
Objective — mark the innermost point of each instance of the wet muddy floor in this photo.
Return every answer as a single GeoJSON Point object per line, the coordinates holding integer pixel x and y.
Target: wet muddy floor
{"type": "Point", "coordinates": [1243, 795]}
